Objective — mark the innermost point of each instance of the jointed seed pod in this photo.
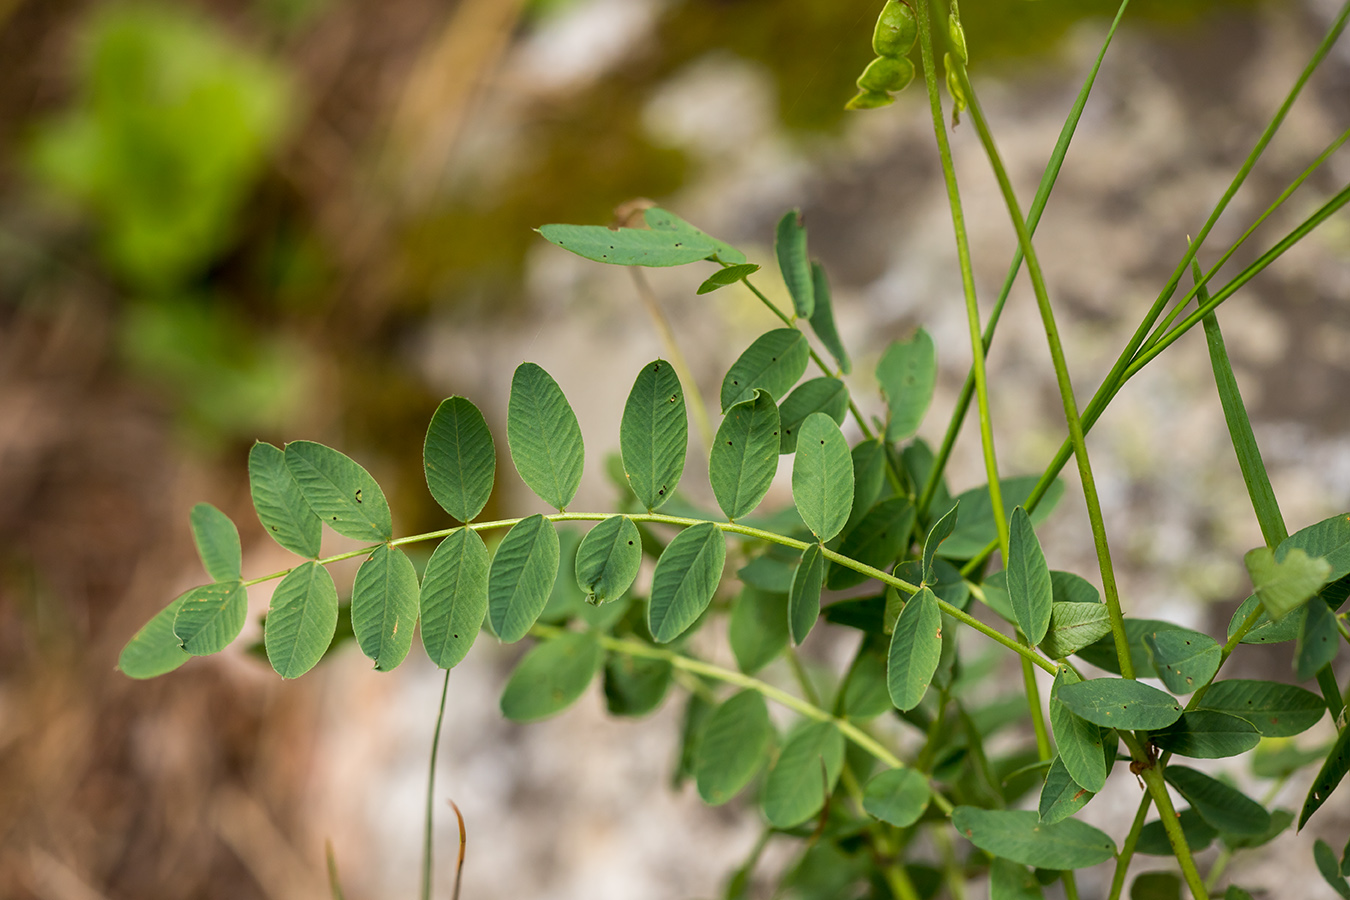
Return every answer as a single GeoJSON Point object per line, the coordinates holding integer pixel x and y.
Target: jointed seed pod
{"type": "Point", "coordinates": [954, 87]}
{"type": "Point", "coordinates": [886, 74]}
{"type": "Point", "coordinates": [870, 100]}
{"type": "Point", "coordinates": [957, 34]}
{"type": "Point", "coordinates": [897, 30]}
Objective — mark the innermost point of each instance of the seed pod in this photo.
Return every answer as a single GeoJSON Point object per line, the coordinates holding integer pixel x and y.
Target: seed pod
{"type": "Point", "coordinates": [870, 100]}
{"type": "Point", "coordinates": [896, 30]}
{"type": "Point", "coordinates": [886, 74]}
{"type": "Point", "coordinates": [954, 88]}
{"type": "Point", "coordinates": [957, 34]}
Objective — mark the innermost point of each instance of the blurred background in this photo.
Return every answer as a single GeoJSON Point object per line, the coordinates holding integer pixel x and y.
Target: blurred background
{"type": "Point", "coordinates": [229, 220]}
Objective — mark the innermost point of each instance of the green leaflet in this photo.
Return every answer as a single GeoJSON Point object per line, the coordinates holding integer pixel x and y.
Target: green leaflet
{"type": "Point", "coordinates": [608, 559]}
{"type": "Point", "coordinates": [1277, 710]}
{"type": "Point", "coordinates": [808, 766]}
{"type": "Point", "coordinates": [384, 606]}
{"type": "Point", "coordinates": [551, 677]}
{"type": "Point", "coordinates": [1020, 836]}
{"type": "Point", "coordinates": [1206, 734]}
{"type": "Point", "coordinates": [723, 277]}
{"type": "Point", "coordinates": [877, 539]}
{"type": "Point", "coordinates": [154, 650]}
{"type": "Point", "coordinates": [1028, 579]}
{"type": "Point", "coordinates": [1079, 741]}
{"type": "Point", "coordinates": [907, 373]}
{"type": "Point", "coordinates": [521, 577]}
{"type": "Point", "coordinates": [1318, 640]}
{"type": "Point", "coordinates": [685, 580]}
{"type": "Point", "coordinates": [865, 691]}
{"type": "Point", "coordinates": [665, 221]}
{"type": "Point", "coordinates": [1328, 777]}
{"type": "Point", "coordinates": [654, 434]}
{"type": "Point", "coordinates": [758, 628]}
{"type": "Point", "coordinates": [774, 363]}
{"type": "Point", "coordinates": [1226, 809]}
{"type": "Point", "coordinates": [1184, 659]}
{"type": "Point", "coordinates": [744, 455]}
{"type": "Point", "coordinates": [1074, 626]}
{"type": "Point", "coordinates": [822, 320]}
{"type": "Point", "coordinates": [1236, 893]}
{"type": "Point", "coordinates": [897, 796]}
{"type": "Point", "coordinates": [544, 436]}
{"type": "Point", "coordinates": [1198, 833]}
{"type": "Point", "coordinates": [734, 745]}
{"type": "Point", "coordinates": [941, 530]}
{"type": "Point", "coordinates": [1009, 881]}
{"type": "Point", "coordinates": [340, 491]}
{"type": "Point", "coordinates": [772, 571]}
{"type": "Point", "coordinates": [460, 458]}
{"type": "Point", "coordinates": [1102, 653]}
{"type": "Point", "coordinates": [977, 528]}
{"type": "Point", "coordinates": [1280, 820]}
{"type": "Point", "coordinates": [635, 686]}
{"type": "Point", "coordinates": [916, 648]}
{"type": "Point", "coordinates": [629, 246]}
{"type": "Point", "coordinates": [1266, 631]}
{"type": "Point", "coordinates": [301, 620]}
{"type": "Point", "coordinates": [1120, 703]}
{"type": "Point", "coordinates": [822, 477]}
{"type": "Point", "coordinates": [1330, 869]}
{"type": "Point", "coordinates": [1156, 886]}
{"type": "Point", "coordinates": [804, 598]}
{"type": "Point", "coordinates": [790, 247]}
{"type": "Point", "coordinates": [819, 395]}
{"type": "Point", "coordinates": [210, 617]}
{"type": "Point", "coordinates": [217, 543]}
{"type": "Point", "coordinates": [279, 502]}
{"type": "Point", "coordinates": [1285, 584]}
{"type": "Point", "coordinates": [1328, 539]}
{"type": "Point", "coordinates": [869, 474]}
{"type": "Point", "coordinates": [454, 597]}
{"type": "Point", "coordinates": [1061, 796]}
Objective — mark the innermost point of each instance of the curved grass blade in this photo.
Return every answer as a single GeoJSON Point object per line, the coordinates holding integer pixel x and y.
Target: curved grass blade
{"type": "Point", "coordinates": [897, 796]}
{"type": "Point", "coordinates": [1080, 743]}
{"type": "Point", "coordinates": [454, 597]}
{"type": "Point", "coordinates": [654, 434]}
{"type": "Point", "coordinates": [384, 606]}
{"type": "Point", "coordinates": [544, 437]}
{"type": "Point", "coordinates": [758, 628]}
{"type": "Point", "coordinates": [1184, 659]}
{"type": "Point", "coordinates": [1029, 587]}
{"type": "Point", "coordinates": [217, 543]}
{"type": "Point", "coordinates": [301, 620]}
{"type": "Point", "coordinates": [1020, 836]}
{"type": "Point", "coordinates": [1277, 710]}
{"type": "Point", "coordinates": [1206, 734]}
{"type": "Point", "coordinates": [774, 362]}
{"type": "Point", "coordinates": [1226, 809]}
{"type": "Point", "coordinates": [790, 247]}
{"type": "Point", "coordinates": [340, 491]}
{"type": "Point", "coordinates": [459, 458]}
{"type": "Point", "coordinates": [551, 677]}
{"type": "Point", "coordinates": [822, 477]}
{"type": "Point", "coordinates": [608, 559]}
{"type": "Point", "coordinates": [521, 577]}
{"type": "Point", "coordinates": [916, 649]}
{"type": "Point", "coordinates": [907, 373]}
{"type": "Point", "coordinates": [744, 455]}
{"type": "Point", "coordinates": [629, 246]}
{"type": "Point", "coordinates": [686, 577]}
{"type": "Point", "coordinates": [823, 395]}
{"type": "Point", "coordinates": [210, 617]}
{"type": "Point", "coordinates": [804, 598]}
{"type": "Point", "coordinates": [806, 769]}
{"type": "Point", "coordinates": [1120, 703]}
{"type": "Point", "coordinates": [1328, 777]}
{"type": "Point", "coordinates": [735, 743]}
{"type": "Point", "coordinates": [279, 502]}
{"type": "Point", "coordinates": [154, 650]}
{"type": "Point", "coordinates": [822, 319]}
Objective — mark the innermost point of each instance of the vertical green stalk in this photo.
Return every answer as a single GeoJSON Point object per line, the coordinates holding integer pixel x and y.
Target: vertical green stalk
{"type": "Point", "coordinates": [431, 788]}
{"type": "Point", "coordinates": [967, 275]}
{"type": "Point", "coordinates": [1127, 849]}
{"type": "Point", "coordinates": [1071, 416]}
{"type": "Point", "coordinates": [1153, 778]}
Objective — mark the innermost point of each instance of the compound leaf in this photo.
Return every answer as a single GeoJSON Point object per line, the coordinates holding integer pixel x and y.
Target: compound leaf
{"type": "Point", "coordinates": [154, 650]}
{"type": "Point", "coordinates": [897, 796]}
{"type": "Point", "coordinates": [744, 455]}
{"type": "Point", "coordinates": [544, 437]}
{"type": "Point", "coordinates": [774, 363]}
{"type": "Point", "coordinates": [804, 598]}
{"type": "Point", "coordinates": [217, 542]}
{"type": "Point", "coordinates": [916, 649]}
{"type": "Point", "coordinates": [819, 395]}
{"type": "Point", "coordinates": [790, 247]}
{"type": "Point", "coordinates": [1225, 808]}
{"type": "Point", "coordinates": [805, 771]}
{"type": "Point", "coordinates": [340, 491]}
{"type": "Point", "coordinates": [521, 577]}
{"type": "Point", "coordinates": [1277, 710]}
{"type": "Point", "coordinates": [1020, 836]}
{"type": "Point", "coordinates": [279, 502]}
{"type": "Point", "coordinates": [654, 434]}
{"type": "Point", "coordinates": [551, 677]}
{"type": "Point", "coordinates": [454, 598]}
{"type": "Point", "coordinates": [301, 620]}
{"type": "Point", "coordinates": [907, 373]}
{"type": "Point", "coordinates": [608, 559]}
{"type": "Point", "coordinates": [210, 617]}
{"type": "Point", "coordinates": [1028, 580]}
{"type": "Point", "coordinates": [822, 319]}
{"type": "Point", "coordinates": [384, 606]}
{"type": "Point", "coordinates": [1120, 703]}
{"type": "Point", "coordinates": [735, 743]}
{"type": "Point", "coordinates": [822, 477]}
{"type": "Point", "coordinates": [460, 458]}
{"type": "Point", "coordinates": [685, 580]}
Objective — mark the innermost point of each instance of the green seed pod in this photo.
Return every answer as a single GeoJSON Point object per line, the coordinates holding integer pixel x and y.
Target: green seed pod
{"type": "Point", "coordinates": [870, 100]}
{"type": "Point", "coordinates": [954, 87]}
{"type": "Point", "coordinates": [896, 30]}
{"type": "Point", "coordinates": [886, 74]}
{"type": "Point", "coordinates": [957, 34]}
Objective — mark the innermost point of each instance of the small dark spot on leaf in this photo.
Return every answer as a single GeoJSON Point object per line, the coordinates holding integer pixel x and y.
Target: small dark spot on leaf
{"type": "Point", "coordinates": [358, 495]}
{"type": "Point", "coordinates": [672, 398]}
{"type": "Point", "coordinates": [274, 528]}
{"type": "Point", "coordinates": [455, 636]}
{"type": "Point", "coordinates": [661, 493]}
{"type": "Point", "coordinates": [630, 543]}
{"type": "Point", "coordinates": [728, 443]}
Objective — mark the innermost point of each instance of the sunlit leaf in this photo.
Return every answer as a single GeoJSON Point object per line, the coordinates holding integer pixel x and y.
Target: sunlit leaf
{"type": "Point", "coordinates": [897, 796]}
{"type": "Point", "coordinates": [1020, 836]}
{"type": "Point", "coordinates": [822, 477]}
{"type": "Point", "coordinates": [790, 247]}
{"type": "Point", "coordinates": [521, 577]}
{"type": "Point", "coordinates": [804, 598]}
{"type": "Point", "coordinates": [301, 620]}
{"type": "Point", "coordinates": [907, 373]}
{"type": "Point", "coordinates": [155, 650]}
{"type": "Point", "coordinates": [1225, 808]}
{"type": "Point", "coordinates": [822, 319]}
{"type": "Point", "coordinates": [806, 769]}
{"type": "Point", "coordinates": [459, 458]}
{"type": "Point", "coordinates": [744, 455]}
{"type": "Point", "coordinates": [217, 542]}
{"type": "Point", "coordinates": [916, 647]}
{"type": "Point", "coordinates": [280, 504]}
{"type": "Point", "coordinates": [686, 577]}
{"type": "Point", "coordinates": [385, 606]}
{"type": "Point", "coordinates": [211, 616]}
{"type": "Point", "coordinates": [551, 677]}
{"type": "Point", "coordinates": [654, 434]}
{"type": "Point", "coordinates": [735, 743]}
{"type": "Point", "coordinates": [819, 395]}
{"type": "Point", "coordinates": [773, 363]}
{"type": "Point", "coordinates": [340, 491]}
{"type": "Point", "coordinates": [454, 597]}
{"type": "Point", "coordinates": [544, 436]}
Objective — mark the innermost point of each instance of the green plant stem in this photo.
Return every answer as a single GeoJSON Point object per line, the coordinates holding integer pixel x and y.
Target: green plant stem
{"type": "Point", "coordinates": [672, 348]}
{"type": "Point", "coordinates": [1033, 693]}
{"type": "Point", "coordinates": [897, 879]}
{"type": "Point", "coordinates": [1038, 203]}
{"type": "Point", "coordinates": [1157, 787]}
{"type": "Point", "coordinates": [967, 275]}
{"type": "Point", "coordinates": [431, 790]}
{"type": "Point", "coordinates": [1127, 849]}
{"type": "Point", "coordinates": [951, 866]}
{"type": "Point", "coordinates": [1109, 590]}
{"type": "Point", "coordinates": [334, 885]}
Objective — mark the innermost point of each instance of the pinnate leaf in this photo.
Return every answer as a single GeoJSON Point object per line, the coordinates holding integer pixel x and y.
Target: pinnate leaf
{"type": "Point", "coordinates": [340, 491]}
{"type": "Point", "coordinates": [544, 437]}
{"type": "Point", "coordinates": [279, 502]}
{"type": "Point", "coordinates": [744, 455]}
{"type": "Point", "coordinates": [454, 597]}
{"type": "Point", "coordinates": [301, 620]}
{"type": "Point", "coordinates": [822, 477]}
{"type": "Point", "coordinates": [460, 458]}
{"type": "Point", "coordinates": [774, 363]}
{"type": "Point", "coordinates": [217, 542]}
{"type": "Point", "coordinates": [686, 577]}
{"type": "Point", "coordinates": [521, 577]}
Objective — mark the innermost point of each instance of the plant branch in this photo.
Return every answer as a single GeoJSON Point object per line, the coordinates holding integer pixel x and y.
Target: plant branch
{"type": "Point", "coordinates": [431, 790]}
